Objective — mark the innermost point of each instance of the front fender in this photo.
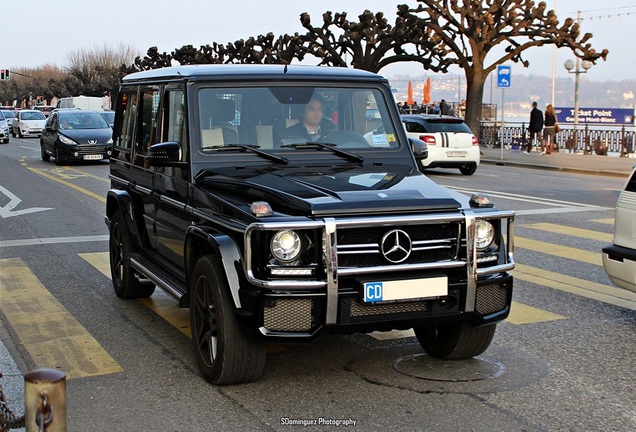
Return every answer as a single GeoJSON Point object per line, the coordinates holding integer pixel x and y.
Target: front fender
{"type": "Point", "coordinates": [117, 199]}
{"type": "Point", "coordinates": [220, 245]}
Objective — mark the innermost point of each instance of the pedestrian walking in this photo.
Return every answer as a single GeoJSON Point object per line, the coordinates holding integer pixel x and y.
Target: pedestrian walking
{"type": "Point", "coordinates": [536, 126]}
{"type": "Point", "coordinates": [549, 131]}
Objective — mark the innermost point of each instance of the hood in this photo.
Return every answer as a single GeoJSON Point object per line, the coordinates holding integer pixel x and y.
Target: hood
{"type": "Point", "coordinates": [331, 191]}
{"type": "Point", "coordinates": [83, 136]}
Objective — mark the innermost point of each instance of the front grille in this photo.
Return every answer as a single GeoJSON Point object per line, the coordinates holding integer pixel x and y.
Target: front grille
{"type": "Point", "coordinates": [291, 315]}
{"type": "Point", "coordinates": [491, 298]}
{"type": "Point", "coordinates": [352, 311]}
{"type": "Point", "coordinates": [92, 149]}
{"type": "Point", "coordinates": [361, 247]}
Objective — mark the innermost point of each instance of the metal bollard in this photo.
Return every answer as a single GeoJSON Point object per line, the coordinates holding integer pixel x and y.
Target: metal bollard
{"type": "Point", "coordinates": [45, 400]}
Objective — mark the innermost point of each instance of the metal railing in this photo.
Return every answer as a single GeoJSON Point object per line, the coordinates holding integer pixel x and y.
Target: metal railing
{"type": "Point", "coordinates": [589, 138]}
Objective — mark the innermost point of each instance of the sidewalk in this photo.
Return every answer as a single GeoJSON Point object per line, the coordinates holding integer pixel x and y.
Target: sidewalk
{"type": "Point", "coordinates": [561, 161]}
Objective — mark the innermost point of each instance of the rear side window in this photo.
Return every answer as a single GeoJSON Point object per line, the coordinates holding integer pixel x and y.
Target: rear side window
{"type": "Point", "coordinates": [414, 127]}
{"type": "Point", "coordinates": [147, 128]}
{"type": "Point", "coordinates": [126, 111]}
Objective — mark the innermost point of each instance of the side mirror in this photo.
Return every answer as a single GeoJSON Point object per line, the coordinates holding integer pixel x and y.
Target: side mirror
{"type": "Point", "coordinates": [165, 154]}
{"type": "Point", "coordinates": [419, 147]}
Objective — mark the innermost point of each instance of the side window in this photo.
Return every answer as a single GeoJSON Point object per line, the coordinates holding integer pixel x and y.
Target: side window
{"type": "Point", "coordinates": [125, 127]}
{"type": "Point", "coordinates": [147, 130]}
{"type": "Point", "coordinates": [53, 122]}
{"type": "Point", "coordinates": [174, 118]}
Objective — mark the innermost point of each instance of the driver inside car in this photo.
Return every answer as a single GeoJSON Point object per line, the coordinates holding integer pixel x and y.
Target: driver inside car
{"type": "Point", "coordinates": [312, 125]}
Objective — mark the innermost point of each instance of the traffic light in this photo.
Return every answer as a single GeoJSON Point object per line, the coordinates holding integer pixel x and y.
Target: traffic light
{"type": "Point", "coordinates": [5, 74]}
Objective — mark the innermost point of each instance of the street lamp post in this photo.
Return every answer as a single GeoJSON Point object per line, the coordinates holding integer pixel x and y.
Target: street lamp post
{"type": "Point", "coordinates": [577, 69]}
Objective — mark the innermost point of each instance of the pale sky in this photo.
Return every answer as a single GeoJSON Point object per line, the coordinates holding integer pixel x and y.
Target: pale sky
{"type": "Point", "coordinates": [43, 31]}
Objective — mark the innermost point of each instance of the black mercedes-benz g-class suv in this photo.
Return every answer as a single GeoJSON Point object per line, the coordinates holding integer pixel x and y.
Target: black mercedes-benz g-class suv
{"type": "Point", "coordinates": [264, 199]}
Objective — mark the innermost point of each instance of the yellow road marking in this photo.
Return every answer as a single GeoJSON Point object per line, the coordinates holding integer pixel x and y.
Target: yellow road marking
{"type": "Point", "coordinates": [592, 290]}
{"type": "Point", "coordinates": [523, 314]}
{"type": "Point", "coordinates": [571, 231]}
{"type": "Point", "coordinates": [85, 174]}
{"type": "Point", "coordinates": [49, 332]}
{"type": "Point", "coordinates": [71, 185]}
{"type": "Point", "coordinates": [161, 303]}
{"type": "Point", "coordinates": [560, 251]}
{"type": "Point", "coordinates": [609, 221]}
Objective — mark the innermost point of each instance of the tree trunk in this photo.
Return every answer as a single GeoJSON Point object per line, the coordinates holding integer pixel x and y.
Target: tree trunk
{"type": "Point", "coordinates": [474, 96]}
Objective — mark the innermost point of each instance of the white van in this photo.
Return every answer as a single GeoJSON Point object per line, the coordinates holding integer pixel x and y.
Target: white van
{"type": "Point", "coordinates": [86, 103]}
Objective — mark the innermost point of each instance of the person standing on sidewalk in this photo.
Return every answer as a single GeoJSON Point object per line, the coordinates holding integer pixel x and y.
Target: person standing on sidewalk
{"type": "Point", "coordinates": [549, 131]}
{"type": "Point", "coordinates": [536, 125]}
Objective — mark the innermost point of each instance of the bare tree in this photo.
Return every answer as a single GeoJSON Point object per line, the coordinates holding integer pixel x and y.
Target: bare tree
{"type": "Point", "coordinates": [465, 32]}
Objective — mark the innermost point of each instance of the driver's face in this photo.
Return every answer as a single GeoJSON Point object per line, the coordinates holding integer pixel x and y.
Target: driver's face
{"type": "Point", "coordinates": [313, 113]}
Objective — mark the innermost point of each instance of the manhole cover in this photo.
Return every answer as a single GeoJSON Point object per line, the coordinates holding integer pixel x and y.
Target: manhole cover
{"type": "Point", "coordinates": [425, 367]}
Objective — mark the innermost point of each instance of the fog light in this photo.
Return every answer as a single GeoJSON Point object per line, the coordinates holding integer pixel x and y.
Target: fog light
{"type": "Point", "coordinates": [76, 154]}
{"type": "Point", "coordinates": [109, 152]}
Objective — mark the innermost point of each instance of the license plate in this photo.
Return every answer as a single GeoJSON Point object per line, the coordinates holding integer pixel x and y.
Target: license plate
{"type": "Point", "coordinates": [411, 289]}
{"type": "Point", "coordinates": [457, 154]}
{"type": "Point", "coordinates": [93, 157]}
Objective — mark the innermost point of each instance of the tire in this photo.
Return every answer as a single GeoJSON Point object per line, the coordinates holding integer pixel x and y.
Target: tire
{"type": "Point", "coordinates": [13, 133]}
{"type": "Point", "coordinates": [59, 160]}
{"type": "Point", "coordinates": [469, 169]}
{"type": "Point", "coordinates": [456, 341]}
{"type": "Point", "coordinates": [6, 141]}
{"type": "Point", "coordinates": [126, 285]}
{"type": "Point", "coordinates": [20, 133]}
{"type": "Point", "coordinates": [45, 156]}
{"type": "Point", "coordinates": [223, 353]}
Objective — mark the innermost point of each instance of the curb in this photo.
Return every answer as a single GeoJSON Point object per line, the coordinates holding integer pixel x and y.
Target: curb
{"type": "Point", "coordinates": [607, 173]}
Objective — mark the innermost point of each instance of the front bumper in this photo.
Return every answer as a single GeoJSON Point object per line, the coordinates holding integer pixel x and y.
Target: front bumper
{"type": "Point", "coordinates": [85, 152]}
{"type": "Point", "coordinates": [620, 265]}
{"type": "Point", "coordinates": [304, 309]}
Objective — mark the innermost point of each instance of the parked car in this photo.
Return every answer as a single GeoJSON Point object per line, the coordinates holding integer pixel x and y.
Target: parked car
{"type": "Point", "coordinates": [244, 197]}
{"type": "Point", "coordinates": [27, 123]}
{"type": "Point", "coordinates": [76, 135]}
{"type": "Point", "coordinates": [4, 128]}
{"type": "Point", "coordinates": [45, 109]}
{"type": "Point", "coordinates": [451, 144]}
{"type": "Point", "coordinates": [619, 258]}
{"type": "Point", "coordinates": [109, 116]}
{"type": "Point", "coordinates": [86, 103]}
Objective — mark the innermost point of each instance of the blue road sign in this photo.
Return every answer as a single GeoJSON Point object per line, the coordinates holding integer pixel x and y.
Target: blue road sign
{"type": "Point", "coordinates": [503, 76]}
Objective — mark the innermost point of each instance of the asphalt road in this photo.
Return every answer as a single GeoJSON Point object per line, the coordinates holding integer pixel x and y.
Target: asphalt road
{"type": "Point", "coordinates": [563, 361]}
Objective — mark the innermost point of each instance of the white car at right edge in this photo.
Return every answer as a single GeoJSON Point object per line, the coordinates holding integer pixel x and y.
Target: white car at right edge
{"type": "Point", "coordinates": [619, 258]}
{"type": "Point", "coordinates": [451, 144]}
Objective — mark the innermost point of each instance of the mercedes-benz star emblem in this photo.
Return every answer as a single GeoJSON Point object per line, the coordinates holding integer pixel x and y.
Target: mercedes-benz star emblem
{"type": "Point", "coordinates": [396, 246]}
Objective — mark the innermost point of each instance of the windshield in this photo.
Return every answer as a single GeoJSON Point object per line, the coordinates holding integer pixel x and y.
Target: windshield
{"type": "Point", "coordinates": [109, 116]}
{"type": "Point", "coordinates": [8, 114]}
{"type": "Point", "coordinates": [433, 125]}
{"type": "Point", "coordinates": [82, 120]}
{"type": "Point", "coordinates": [32, 115]}
{"type": "Point", "coordinates": [280, 118]}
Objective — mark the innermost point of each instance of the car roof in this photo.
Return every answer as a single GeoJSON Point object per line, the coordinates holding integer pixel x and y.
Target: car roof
{"type": "Point", "coordinates": [430, 117]}
{"type": "Point", "coordinates": [253, 71]}
{"type": "Point", "coordinates": [29, 110]}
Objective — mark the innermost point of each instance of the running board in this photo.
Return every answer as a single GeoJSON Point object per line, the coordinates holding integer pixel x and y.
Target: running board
{"type": "Point", "coordinates": [159, 277]}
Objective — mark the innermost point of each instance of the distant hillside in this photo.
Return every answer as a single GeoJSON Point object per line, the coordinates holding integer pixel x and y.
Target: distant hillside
{"type": "Point", "coordinates": [525, 89]}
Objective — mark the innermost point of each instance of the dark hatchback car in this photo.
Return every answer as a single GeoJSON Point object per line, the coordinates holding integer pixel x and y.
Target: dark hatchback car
{"type": "Point", "coordinates": [76, 135]}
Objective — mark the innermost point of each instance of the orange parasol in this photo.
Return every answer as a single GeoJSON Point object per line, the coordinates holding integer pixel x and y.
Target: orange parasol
{"type": "Point", "coordinates": [410, 100]}
{"type": "Point", "coordinates": [427, 92]}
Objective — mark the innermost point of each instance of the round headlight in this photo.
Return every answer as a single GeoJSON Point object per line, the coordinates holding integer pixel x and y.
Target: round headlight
{"type": "Point", "coordinates": [286, 245]}
{"type": "Point", "coordinates": [484, 234]}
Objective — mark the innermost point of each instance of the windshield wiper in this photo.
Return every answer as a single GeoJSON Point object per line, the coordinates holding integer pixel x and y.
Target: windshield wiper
{"type": "Point", "coordinates": [331, 147]}
{"type": "Point", "coordinates": [252, 148]}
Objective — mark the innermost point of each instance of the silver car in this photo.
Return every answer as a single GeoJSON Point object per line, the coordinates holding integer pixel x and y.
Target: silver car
{"type": "Point", "coordinates": [619, 258]}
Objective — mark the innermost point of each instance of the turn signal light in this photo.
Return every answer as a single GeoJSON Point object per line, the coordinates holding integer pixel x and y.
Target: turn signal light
{"type": "Point", "coordinates": [260, 209]}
